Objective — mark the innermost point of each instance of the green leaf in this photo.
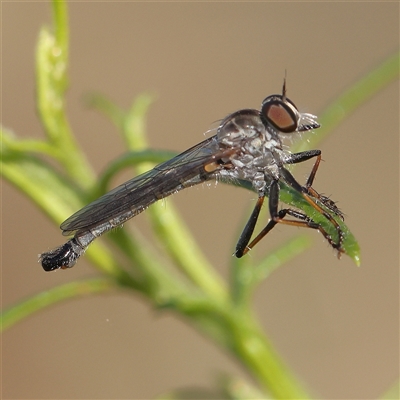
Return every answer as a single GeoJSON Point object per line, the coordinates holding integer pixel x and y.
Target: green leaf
{"type": "Point", "coordinates": [350, 245]}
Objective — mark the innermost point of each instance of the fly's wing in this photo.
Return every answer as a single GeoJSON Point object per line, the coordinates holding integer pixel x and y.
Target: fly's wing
{"type": "Point", "coordinates": [133, 196]}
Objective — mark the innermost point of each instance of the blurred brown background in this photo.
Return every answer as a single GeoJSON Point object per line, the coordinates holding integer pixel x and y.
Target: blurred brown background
{"type": "Point", "coordinates": [336, 325]}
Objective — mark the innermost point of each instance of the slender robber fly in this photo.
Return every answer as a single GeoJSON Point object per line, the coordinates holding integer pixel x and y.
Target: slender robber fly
{"type": "Point", "coordinates": [247, 147]}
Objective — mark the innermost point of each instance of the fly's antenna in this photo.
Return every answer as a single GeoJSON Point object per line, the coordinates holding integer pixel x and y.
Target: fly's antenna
{"type": "Point", "coordinates": [284, 88]}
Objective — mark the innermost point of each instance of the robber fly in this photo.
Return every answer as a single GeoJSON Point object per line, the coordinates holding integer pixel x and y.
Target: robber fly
{"type": "Point", "coordinates": [247, 147]}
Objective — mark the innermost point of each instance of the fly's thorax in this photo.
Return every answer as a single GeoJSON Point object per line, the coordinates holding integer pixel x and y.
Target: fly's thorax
{"type": "Point", "coordinates": [245, 131]}
{"type": "Point", "coordinates": [245, 128]}
{"type": "Point", "coordinates": [258, 147]}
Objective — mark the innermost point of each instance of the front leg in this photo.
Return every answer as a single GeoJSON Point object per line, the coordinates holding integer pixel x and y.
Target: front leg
{"type": "Point", "coordinates": [326, 201]}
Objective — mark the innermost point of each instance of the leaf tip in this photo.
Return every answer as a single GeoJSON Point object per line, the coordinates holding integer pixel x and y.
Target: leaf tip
{"type": "Point", "coordinates": [356, 258]}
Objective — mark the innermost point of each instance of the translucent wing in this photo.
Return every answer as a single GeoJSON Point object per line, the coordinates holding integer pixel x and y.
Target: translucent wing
{"type": "Point", "coordinates": [135, 195]}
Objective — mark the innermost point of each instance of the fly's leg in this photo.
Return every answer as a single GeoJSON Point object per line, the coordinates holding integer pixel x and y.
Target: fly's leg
{"type": "Point", "coordinates": [305, 192]}
{"type": "Point", "coordinates": [241, 247]}
{"type": "Point", "coordinates": [278, 217]}
{"type": "Point", "coordinates": [326, 201]}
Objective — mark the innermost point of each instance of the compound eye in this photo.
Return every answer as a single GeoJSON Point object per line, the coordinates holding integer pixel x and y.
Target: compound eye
{"type": "Point", "coordinates": [281, 114]}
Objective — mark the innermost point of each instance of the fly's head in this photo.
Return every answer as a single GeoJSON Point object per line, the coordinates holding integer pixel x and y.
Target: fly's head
{"type": "Point", "coordinates": [280, 115]}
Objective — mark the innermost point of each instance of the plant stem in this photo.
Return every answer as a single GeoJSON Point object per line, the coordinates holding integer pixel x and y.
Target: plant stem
{"type": "Point", "coordinates": [257, 353]}
{"type": "Point", "coordinates": [237, 330]}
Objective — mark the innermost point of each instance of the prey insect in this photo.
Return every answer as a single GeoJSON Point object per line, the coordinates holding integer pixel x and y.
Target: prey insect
{"type": "Point", "coordinates": [248, 147]}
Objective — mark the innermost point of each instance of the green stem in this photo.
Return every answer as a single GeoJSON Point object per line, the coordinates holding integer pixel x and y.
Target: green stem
{"type": "Point", "coordinates": [52, 296]}
{"type": "Point", "coordinates": [170, 229]}
{"type": "Point", "coordinates": [357, 95]}
{"type": "Point", "coordinates": [236, 330]}
{"type": "Point", "coordinates": [51, 84]}
{"type": "Point", "coordinates": [255, 351]}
